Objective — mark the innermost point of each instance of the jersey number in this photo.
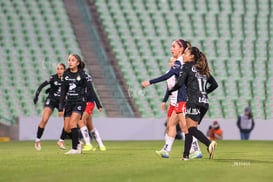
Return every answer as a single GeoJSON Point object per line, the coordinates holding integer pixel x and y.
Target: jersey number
{"type": "Point", "coordinates": [202, 84]}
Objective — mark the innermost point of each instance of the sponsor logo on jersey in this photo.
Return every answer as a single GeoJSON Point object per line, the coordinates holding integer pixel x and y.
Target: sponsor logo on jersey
{"type": "Point", "coordinates": [72, 86]}
{"type": "Point", "coordinates": [78, 78]}
{"type": "Point", "coordinates": [193, 111]}
{"type": "Point", "coordinates": [203, 100]}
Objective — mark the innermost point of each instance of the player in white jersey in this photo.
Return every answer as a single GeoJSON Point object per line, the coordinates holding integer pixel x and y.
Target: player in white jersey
{"type": "Point", "coordinates": [195, 151]}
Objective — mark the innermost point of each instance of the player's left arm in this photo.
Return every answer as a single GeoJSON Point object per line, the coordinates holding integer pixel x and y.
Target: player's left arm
{"type": "Point", "coordinates": [90, 88]}
{"type": "Point", "coordinates": [212, 84]}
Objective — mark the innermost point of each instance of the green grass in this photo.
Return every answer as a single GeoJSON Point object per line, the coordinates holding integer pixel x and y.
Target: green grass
{"type": "Point", "coordinates": [136, 161]}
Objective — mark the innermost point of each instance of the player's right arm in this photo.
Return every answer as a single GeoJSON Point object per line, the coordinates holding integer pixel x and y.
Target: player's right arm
{"type": "Point", "coordinates": [37, 93]}
{"type": "Point", "coordinates": [62, 96]}
{"type": "Point", "coordinates": [174, 70]}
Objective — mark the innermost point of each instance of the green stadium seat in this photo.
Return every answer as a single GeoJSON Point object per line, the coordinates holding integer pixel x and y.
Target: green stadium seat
{"type": "Point", "coordinates": [223, 29]}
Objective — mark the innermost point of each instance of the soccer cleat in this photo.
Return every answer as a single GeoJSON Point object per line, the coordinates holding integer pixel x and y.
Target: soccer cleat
{"type": "Point", "coordinates": [102, 148]}
{"type": "Point", "coordinates": [211, 149]}
{"type": "Point", "coordinates": [196, 154]}
{"type": "Point", "coordinates": [87, 147]}
{"type": "Point", "coordinates": [79, 146]}
{"type": "Point", "coordinates": [73, 151]}
{"type": "Point", "coordinates": [186, 158]}
{"type": "Point", "coordinates": [162, 153]}
{"type": "Point", "coordinates": [38, 146]}
{"type": "Point", "coordinates": [61, 145]}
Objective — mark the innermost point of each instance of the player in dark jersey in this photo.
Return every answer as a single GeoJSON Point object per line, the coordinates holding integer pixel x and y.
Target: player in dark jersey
{"type": "Point", "coordinates": [86, 124]}
{"type": "Point", "coordinates": [52, 101]}
{"type": "Point", "coordinates": [75, 82]}
{"type": "Point", "coordinates": [177, 49]}
{"type": "Point", "coordinates": [199, 83]}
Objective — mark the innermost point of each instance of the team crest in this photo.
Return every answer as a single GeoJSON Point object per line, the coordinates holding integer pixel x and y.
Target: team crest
{"type": "Point", "coordinates": [78, 78]}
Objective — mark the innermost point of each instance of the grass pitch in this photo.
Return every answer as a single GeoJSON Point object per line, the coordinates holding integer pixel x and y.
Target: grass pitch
{"type": "Point", "coordinates": [131, 161]}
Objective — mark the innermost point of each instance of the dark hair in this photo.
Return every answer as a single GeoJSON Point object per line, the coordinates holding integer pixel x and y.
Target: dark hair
{"type": "Point", "coordinates": [62, 64]}
{"type": "Point", "coordinates": [182, 43]}
{"type": "Point", "coordinates": [188, 44]}
{"type": "Point", "coordinates": [78, 58]}
{"type": "Point", "coordinates": [201, 60]}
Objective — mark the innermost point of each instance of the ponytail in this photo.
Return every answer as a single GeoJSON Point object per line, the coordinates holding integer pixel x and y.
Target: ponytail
{"type": "Point", "coordinates": [201, 61]}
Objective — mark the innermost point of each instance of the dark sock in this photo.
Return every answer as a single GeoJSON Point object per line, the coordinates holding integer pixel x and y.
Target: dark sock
{"type": "Point", "coordinates": [80, 133]}
{"type": "Point", "coordinates": [187, 145]}
{"type": "Point", "coordinates": [40, 132]}
{"type": "Point", "coordinates": [199, 135]}
{"type": "Point", "coordinates": [69, 135]}
{"type": "Point", "coordinates": [75, 138]}
{"type": "Point", "coordinates": [63, 135]}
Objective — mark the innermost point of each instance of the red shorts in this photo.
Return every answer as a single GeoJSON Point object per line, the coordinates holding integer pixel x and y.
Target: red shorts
{"type": "Point", "coordinates": [89, 107]}
{"type": "Point", "coordinates": [170, 110]}
{"type": "Point", "coordinates": [180, 107]}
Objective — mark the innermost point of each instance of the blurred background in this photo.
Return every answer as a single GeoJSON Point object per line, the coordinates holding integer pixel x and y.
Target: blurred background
{"type": "Point", "coordinates": [124, 42]}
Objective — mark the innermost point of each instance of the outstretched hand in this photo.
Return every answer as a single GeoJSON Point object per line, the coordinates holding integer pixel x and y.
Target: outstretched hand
{"type": "Point", "coordinates": [145, 84]}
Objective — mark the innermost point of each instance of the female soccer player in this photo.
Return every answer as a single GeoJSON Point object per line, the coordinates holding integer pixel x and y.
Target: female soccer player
{"type": "Point", "coordinates": [177, 49]}
{"type": "Point", "coordinates": [195, 149]}
{"type": "Point", "coordinates": [52, 101]}
{"type": "Point", "coordinates": [75, 82]}
{"type": "Point", "coordinates": [199, 82]}
{"type": "Point", "coordinates": [86, 124]}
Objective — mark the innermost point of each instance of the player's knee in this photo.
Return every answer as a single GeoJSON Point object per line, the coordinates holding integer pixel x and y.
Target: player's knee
{"type": "Point", "coordinates": [192, 130]}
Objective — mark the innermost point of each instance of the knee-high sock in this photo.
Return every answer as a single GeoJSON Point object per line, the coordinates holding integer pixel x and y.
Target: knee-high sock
{"type": "Point", "coordinates": [187, 145]}
{"type": "Point", "coordinates": [199, 135]}
{"type": "Point", "coordinates": [168, 143]}
{"type": "Point", "coordinates": [85, 135]}
{"type": "Point", "coordinates": [194, 145]}
{"type": "Point", "coordinates": [95, 134]}
{"type": "Point", "coordinates": [63, 135]}
{"type": "Point", "coordinates": [75, 138]}
{"type": "Point", "coordinates": [39, 134]}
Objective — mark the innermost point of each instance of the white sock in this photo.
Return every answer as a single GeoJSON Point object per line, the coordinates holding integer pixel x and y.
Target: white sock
{"type": "Point", "coordinates": [194, 145]}
{"type": "Point", "coordinates": [37, 140]}
{"type": "Point", "coordinates": [96, 135]}
{"type": "Point", "coordinates": [85, 135]}
{"type": "Point", "coordinates": [168, 143]}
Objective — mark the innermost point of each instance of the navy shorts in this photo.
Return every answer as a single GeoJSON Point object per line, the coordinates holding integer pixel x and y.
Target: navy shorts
{"type": "Point", "coordinates": [196, 112]}
{"type": "Point", "coordinates": [51, 103]}
{"type": "Point", "coordinates": [78, 107]}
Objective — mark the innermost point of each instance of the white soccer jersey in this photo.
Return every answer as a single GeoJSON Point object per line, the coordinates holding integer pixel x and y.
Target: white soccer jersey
{"type": "Point", "coordinates": [170, 83]}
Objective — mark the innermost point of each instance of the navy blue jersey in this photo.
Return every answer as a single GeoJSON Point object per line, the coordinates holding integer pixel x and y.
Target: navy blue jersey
{"type": "Point", "coordinates": [55, 87]}
{"type": "Point", "coordinates": [175, 70]}
{"type": "Point", "coordinates": [198, 86]}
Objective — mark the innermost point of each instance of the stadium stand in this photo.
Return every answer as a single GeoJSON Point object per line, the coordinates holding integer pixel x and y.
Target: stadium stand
{"type": "Point", "coordinates": [35, 36]}
{"type": "Point", "coordinates": [235, 35]}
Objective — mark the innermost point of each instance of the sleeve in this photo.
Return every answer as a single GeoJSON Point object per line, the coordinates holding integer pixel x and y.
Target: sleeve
{"type": "Point", "coordinates": [213, 84]}
{"type": "Point", "coordinates": [238, 122]}
{"type": "Point", "coordinates": [93, 94]}
{"type": "Point", "coordinates": [166, 96]}
{"type": "Point", "coordinates": [174, 70]}
{"type": "Point", "coordinates": [91, 90]}
{"type": "Point", "coordinates": [181, 79]}
{"type": "Point", "coordinates": [62, 96]}
{"type": "Point", "coordinates": [45, 83]}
